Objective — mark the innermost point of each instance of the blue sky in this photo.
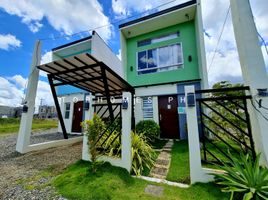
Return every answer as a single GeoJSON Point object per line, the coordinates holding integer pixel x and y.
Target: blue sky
{"type": "Point", "coordinates": [25, 21]}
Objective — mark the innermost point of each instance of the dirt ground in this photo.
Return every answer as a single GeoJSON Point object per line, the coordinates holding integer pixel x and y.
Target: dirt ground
{"type": "Point", "coordinates": [15, 167]}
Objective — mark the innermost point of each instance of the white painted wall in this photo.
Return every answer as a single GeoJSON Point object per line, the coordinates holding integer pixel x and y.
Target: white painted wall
{"type": "Point", "coordinates": [153, 91]}
{"type": "Point", "coordinates": [123, 45]}
{"type": "Point", "coordinates": [102, 52]}
{"type": "Point", "coordinates": [253, 70]}
{"type": "Point", "coordinates": [126, 159]}
{"type": "Point", "coordinates": [201, 53]}
{"type": "Point", "coordinates": [197, 173]}
{"type": "Point", "coordinates": [156, 90]}
{"type": "Point", "coordinates": [70, 98]}
{"type": "Point", "coordinates": [23, 140]}
{"type": "Point", "coordinates": [139, 110]}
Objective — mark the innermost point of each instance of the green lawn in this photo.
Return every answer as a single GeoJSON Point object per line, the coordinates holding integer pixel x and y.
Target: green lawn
{"type": "Point", "coordinates": [11, 125]}
{"type": "Point", "coordinates": [77, 182]}
{"type": "Point", "coordinates": [179, 170]}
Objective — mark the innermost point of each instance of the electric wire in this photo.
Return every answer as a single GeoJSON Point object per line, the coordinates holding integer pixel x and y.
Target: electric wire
{"type": "Point", "coordinates": [220, 36]}
{"type": "Point", "coordinates": [106, 25]}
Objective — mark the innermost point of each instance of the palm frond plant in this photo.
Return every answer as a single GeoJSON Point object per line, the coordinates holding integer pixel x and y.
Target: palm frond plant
{"type": "Point", "coordinates": [244, 177]}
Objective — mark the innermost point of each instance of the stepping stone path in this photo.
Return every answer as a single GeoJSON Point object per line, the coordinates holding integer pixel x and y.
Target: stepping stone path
{"type": "Point", "coordinates": [154, 190]}
{"type": "Point", "coordinates": [162, 163]}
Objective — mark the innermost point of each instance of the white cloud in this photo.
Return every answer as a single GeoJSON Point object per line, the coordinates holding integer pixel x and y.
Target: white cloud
{"type": "Point", "coordinates": [46, 58]}
{"type": "Point", "coordinates": [65, 16]}
{"type": "Point", "coordinates": [119, 55]}
{"type": "Point", "coordinates": [12, 91]}
{"type": "Point", "coordinates": [127, 7]}
{"type": "Point", "coordinates": [9, 41]}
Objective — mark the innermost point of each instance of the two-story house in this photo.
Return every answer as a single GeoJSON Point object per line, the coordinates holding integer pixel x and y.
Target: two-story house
{"type": "Point", "coordinates": [161, 53]}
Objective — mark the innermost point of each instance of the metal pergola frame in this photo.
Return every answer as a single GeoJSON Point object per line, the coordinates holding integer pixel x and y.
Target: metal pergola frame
{"type": "Point", "coordinates": [87, 73]}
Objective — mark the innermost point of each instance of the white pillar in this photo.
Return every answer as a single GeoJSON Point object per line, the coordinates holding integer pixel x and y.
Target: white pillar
{"type": "Point", "coordinates": [253, 69]}
{"type": "Point", "coordinates": [23, 140]}
{"type": "Point", "coordinates": [197, 174]}
{"type": "Point", "coordinates": [88, 116]}
{"type": "Point", "coordinates": [126, 133]}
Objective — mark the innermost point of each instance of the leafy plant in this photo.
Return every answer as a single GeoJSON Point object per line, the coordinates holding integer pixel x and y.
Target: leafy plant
{"type": "Point", "coordinates": [93, 128]}
{"type": "Point", "coordinates": [142, 153]}
{"type": "Point", "coordinates": [149, 128]}
{"type": "Point", "coordinates": [245, 177]}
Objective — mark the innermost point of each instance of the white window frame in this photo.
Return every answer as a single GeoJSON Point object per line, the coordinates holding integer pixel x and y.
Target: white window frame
{"type": "Point", "coordinates": [65, 110]}
{"type": "Point", "coordinates": [180, 65]}
{"type": "Point", "coordinates": [144, 109]}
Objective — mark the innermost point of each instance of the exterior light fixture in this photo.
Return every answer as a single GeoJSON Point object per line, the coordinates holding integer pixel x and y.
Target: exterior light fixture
{"type": "Point", "coordinates": [190, 58]}
{"type": "Point", "coordinates": [263, 92]}
{"type": "Point", "coordinates": [190, 100]}
{"type": "Point", "coordinates": [24, 108]}
{"type": "Point", "coordinates": [87, 106]}
{"type": "Point", "coordinates": [125, 104]}
{"type": "Point", "coordinates": [131, 68]}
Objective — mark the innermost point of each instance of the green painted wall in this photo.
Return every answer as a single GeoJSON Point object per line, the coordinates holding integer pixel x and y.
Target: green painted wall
{"type": "Point", "coordinates": [189, 71]}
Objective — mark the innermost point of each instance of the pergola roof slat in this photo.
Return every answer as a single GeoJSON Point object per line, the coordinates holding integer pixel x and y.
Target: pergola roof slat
{"type": "Point", "coordinates": [87, 73]}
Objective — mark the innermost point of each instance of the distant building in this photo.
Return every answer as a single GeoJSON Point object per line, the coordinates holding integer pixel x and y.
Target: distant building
{"type": "Point", "coordinates": [47, 112]}
{"type": "Point", "coordinates": [8, 111]}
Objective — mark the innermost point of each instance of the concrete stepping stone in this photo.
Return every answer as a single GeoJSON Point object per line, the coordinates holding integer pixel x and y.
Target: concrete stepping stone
{"type": "Point", "coordinates": [161, 166]}
{"type": "Point", "coordinates": [154, 190]}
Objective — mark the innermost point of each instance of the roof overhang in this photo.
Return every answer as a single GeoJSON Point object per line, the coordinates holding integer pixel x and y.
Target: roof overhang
{"type": "Point", "coordinates": [87, 73]}
{"type": "Point", "coordinates": [168, 17]}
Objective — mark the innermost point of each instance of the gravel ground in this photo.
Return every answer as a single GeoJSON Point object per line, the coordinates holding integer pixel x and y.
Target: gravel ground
{"type": "Point", "coordinates": [16, 168]}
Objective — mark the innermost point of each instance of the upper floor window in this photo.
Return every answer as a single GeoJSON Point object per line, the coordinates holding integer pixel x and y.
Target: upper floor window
{"type": "Point", "coordinates": [160, 59]}
{"type": "Point", "coordinates": [158, 39]}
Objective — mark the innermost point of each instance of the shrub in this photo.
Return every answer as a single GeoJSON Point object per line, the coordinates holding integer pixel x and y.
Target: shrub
{"type": "Point", "coordinates": [245, 177]}
{"type": "Point", "coordinates": [93, 129]}
{"type": "Point", "coordinates": [149, 128]}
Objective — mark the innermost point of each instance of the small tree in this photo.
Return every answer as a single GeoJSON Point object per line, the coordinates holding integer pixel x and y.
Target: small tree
{"type": "Point", "coordinates": [93, 129]}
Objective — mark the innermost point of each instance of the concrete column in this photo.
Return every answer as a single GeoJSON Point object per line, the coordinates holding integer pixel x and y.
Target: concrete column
{"type": "Point", "coordinates": [253, 70]}
{"type": "Point", "coordinates": [126, 133]}
{"type": "Point", "coordinates": [197, 174]}
{"type": "Point", "coordinates": [23, 140]}
{"type": "Point", "coordinates": [88, 116]}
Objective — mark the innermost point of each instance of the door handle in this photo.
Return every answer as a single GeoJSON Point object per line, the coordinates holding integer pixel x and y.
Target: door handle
{"type": "Point", "coordinates": [160, 117]}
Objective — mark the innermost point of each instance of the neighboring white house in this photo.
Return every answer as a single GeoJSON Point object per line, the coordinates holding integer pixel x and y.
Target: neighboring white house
{"type": "Point", "coordinates": [72, 99]}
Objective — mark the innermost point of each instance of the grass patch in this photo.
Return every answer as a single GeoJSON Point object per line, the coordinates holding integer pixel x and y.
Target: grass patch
{"type": "Point", "coordinates": [77, 182]}
{"type": "Point", "coordinates": [11, 125]}
{"type": "Point", "coordinates": [179, 170]}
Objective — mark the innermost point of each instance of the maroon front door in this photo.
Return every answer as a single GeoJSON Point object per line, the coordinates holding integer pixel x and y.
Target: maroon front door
{"type": "Point", "coordinates": [168, 116]}
{"type": "Point", "coordinates": [77, 117]}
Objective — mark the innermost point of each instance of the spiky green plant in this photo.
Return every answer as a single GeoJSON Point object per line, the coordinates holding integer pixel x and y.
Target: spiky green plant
{"type": "Point", "coordinates": [245, 177]}
{"type": "Point", "coordinates": [142, 153]}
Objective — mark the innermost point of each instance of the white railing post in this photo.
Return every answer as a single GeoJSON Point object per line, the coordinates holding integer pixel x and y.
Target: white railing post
{"type": "Point", "coordinates": [197, 173]}
{"type": "Point", "coordinates": [24, 135]}
{"type": "Point", "coordinates": [88, 116]}
{"type": "Point", "coordinates": [126, 133]}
